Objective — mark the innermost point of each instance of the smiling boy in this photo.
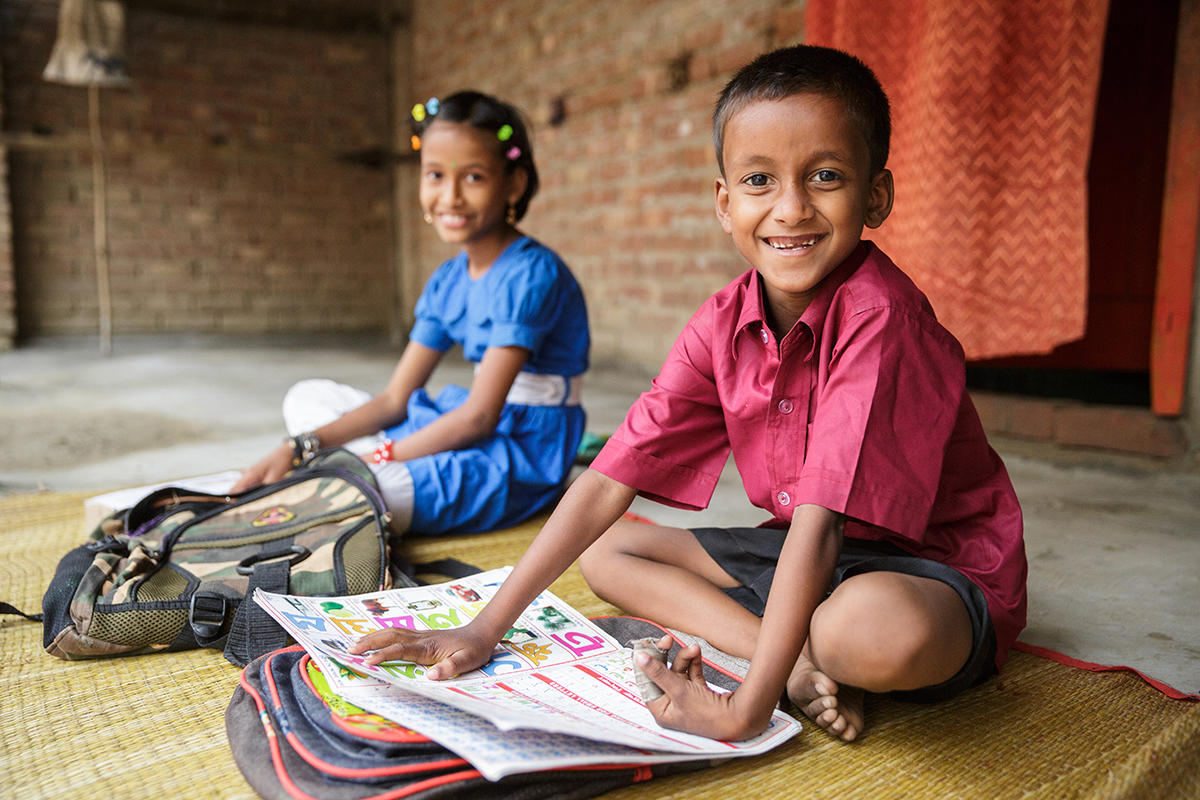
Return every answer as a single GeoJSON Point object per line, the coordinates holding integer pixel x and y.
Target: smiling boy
{"type": "Point", "coordinates": [894, 559]}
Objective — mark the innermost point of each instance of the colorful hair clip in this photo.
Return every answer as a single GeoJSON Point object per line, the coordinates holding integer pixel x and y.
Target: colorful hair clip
{"type": "Point", "coordinates": [513, 153]}
{"type": "Point", "coordinates": [505, 133]}
{"type": "Point", "coordinates": [416, 142]}
{"type": "Point", "coordinates": [427, 109]}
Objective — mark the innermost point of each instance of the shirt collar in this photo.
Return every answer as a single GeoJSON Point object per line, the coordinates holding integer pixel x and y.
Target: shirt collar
{"type": "Point", "coordinates": [753, 319]}
{"type": "Point", "coordinates": [814, 315]}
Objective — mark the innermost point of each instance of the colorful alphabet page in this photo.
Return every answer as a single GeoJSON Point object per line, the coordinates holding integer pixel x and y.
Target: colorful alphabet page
{"type": "Point", "coordinates": [548, 634]}
{"type": "Point", "coordinates": [554, 672]}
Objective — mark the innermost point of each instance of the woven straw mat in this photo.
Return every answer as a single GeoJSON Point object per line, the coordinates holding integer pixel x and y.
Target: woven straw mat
{"type": "Point", "coordinates": [153, 726]}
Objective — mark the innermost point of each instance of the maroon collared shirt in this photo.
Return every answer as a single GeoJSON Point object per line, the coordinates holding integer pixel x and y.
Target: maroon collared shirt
{"type": "Point", "coordinates": [861, 408]}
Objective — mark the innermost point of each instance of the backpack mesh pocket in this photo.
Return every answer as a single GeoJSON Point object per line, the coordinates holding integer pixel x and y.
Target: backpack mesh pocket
{"type": "Point", "coordinates": [165, 584]}
{"type": "Point", "coordinates": [361, 560]}
{"type": "Point", "coordinates": [138, 626]}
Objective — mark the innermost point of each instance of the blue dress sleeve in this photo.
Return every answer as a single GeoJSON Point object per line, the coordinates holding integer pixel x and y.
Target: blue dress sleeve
{"type": "Point", "coordinates": [438, 308]}
{"type": "Point", "coordinates": [527, 303]}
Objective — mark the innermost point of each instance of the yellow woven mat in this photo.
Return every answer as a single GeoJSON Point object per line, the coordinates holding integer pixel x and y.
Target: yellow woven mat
{"type": "Point", "coordinates": [153, 726]}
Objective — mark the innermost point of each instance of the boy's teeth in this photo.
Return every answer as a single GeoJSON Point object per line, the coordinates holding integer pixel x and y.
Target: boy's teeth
{"type": "Point", "coordinates": [792, 244]}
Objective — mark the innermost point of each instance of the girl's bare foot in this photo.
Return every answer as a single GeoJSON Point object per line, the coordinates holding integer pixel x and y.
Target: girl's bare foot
{"type": "Point", "coordinates": [838, 710]}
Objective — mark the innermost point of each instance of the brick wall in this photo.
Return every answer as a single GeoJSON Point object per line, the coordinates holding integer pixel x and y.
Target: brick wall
{"type": "Point", "coordinates": [229, 208]}
{"type": "Point", "coordinates": [227, 212]}
{"type": "Point", "coordinates": [627, 192]}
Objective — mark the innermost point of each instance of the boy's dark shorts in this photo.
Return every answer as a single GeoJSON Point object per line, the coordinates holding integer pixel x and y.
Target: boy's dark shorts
{"type": "Point", "coordinates": [749, 555]}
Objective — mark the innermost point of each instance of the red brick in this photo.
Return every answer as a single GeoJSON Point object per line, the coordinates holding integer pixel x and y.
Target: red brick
{"type": "Point", "coordinates": [1032, 418]}
{"type": "Point", "coordinates": [1131, 430]}
{"type": "Point", "coordinates": [995, 411]}
{"type": "Point", "coordinates": [789, 25]}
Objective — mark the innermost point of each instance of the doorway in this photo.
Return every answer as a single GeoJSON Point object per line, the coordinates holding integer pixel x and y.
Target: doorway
{"type": "Point", "coordinates": [1126, 176]}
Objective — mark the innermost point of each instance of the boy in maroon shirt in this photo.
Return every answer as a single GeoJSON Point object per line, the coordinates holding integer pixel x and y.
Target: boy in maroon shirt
{"type": "Point", "coordinates": [894, 560]}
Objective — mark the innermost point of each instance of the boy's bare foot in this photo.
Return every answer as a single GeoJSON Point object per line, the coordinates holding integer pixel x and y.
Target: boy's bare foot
{"type": "Point", "coordinates": [838, 710]}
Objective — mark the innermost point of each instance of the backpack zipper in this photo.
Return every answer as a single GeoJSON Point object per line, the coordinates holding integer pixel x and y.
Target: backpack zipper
{"type": "Point", "coordinates": [373, 497]}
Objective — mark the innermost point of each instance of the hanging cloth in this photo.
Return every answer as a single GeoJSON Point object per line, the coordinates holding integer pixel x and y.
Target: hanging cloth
{"type": "Point", "coordinates": [993, 104]}
{"type": "Point", "coordinates": [90, 48]}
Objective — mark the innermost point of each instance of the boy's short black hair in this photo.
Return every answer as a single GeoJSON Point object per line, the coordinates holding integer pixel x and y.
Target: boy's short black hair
{"type": "Point", "coordinates": [816, 70]}
{"type": "Point", "coordinates": [489, 114]}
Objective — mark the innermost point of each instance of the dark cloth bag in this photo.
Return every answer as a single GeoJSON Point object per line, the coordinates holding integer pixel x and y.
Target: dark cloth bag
{"type": "Point", "coordinates": [290, 744]}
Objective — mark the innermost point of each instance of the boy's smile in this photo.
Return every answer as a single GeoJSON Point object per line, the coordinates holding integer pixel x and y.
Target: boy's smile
{"type": "Point", "coordinates": [796, 195]}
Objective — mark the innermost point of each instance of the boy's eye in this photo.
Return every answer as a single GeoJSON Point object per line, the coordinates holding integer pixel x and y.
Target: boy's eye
{"type": "Point", "coordinates": [757, 179]}
{"type": "Point", "coordinates": [826, 176]}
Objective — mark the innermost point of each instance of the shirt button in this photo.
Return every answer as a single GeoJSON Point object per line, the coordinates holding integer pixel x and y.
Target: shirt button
{"type": "Point", "coordinates": [784, 499]}
{"type": "Point", "coordinates": [785, 406]}
{"type": "Point", "coordinates": [765, 337]}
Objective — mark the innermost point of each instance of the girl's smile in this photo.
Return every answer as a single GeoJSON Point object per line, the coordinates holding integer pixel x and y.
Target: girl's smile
{"type": "Point", "coordinates": [467, 189]}
{"type": "Point", "coordinates": [453, 221]}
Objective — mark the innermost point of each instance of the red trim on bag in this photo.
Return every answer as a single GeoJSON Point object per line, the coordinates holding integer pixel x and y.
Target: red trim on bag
{"type": "Point", "coordinates": [396, 736]}
{"type": "Point", "coordinates": [641, 772]}
{"type": "Point", "coordinates": [430, 783]}
{"type": "Point", "coordinates": [289, 786]}
{"type": "Point", "coordinates": [348, 772]}
{"type": "Point", "coordinates": [272, 739]}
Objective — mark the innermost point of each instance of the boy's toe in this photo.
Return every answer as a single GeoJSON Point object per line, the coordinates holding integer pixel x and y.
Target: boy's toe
{"type": "Point", "coordinates": [821, 707]}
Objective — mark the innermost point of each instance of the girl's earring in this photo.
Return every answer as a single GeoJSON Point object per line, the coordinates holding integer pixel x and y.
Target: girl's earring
{"type": "Point", "coordinates": [428, 218]}
{"type": "Point", "coordinates": [511, 219]}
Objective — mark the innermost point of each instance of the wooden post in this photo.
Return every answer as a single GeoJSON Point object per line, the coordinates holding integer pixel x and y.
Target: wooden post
{"type": "Point", "coordinates": [100, 223]}
{"type": "Point", "coordinates": [406, 273]}
{"type": "Point", "coordinates": [1173, 294]}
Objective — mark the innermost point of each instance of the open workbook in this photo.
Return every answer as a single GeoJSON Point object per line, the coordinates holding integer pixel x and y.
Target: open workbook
{"type": "Point", "coordinates": [558, 691]}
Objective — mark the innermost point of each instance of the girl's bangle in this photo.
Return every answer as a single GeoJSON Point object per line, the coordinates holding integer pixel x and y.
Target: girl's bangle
{"type": "Point", "coordinates": [383, 453]}
{"type": "Point", "coordinates": [304, 447]}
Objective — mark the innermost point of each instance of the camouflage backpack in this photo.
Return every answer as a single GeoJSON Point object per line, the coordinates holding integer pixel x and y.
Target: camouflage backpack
{"type": "Point", "coordinates": [173, 572]}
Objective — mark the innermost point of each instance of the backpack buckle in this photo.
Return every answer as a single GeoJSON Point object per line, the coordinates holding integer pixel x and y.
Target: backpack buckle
{"type": "Point", "coordinates": [297, 552]}
{"type": "Point", "coordinates": [207, 615]}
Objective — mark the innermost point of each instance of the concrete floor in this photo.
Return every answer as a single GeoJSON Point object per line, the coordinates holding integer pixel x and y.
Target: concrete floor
{"type": "Point", "coordinates": [1113, 545]}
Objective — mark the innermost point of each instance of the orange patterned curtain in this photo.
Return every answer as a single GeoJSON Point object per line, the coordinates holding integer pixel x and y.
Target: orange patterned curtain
{"type": "Point", "coordinates": [992, 109]}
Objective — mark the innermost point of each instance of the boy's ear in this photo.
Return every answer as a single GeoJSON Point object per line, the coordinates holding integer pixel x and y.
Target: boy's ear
{"type": "Point", "coordinates": [723, 205]}
{"type": "Point", "coordinates": [879, 201]}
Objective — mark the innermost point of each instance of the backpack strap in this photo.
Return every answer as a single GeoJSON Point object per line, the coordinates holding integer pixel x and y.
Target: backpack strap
{"type": "Point", "coordinates": [253, 632]}
{"type": "Point", "coordinates": [7, 608]}
{"type": "Point", "coordinates": [449, 567]}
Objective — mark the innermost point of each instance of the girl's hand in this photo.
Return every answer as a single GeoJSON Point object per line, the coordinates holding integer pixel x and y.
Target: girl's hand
{"type": "Point", "coordinates": [277, 464]}
{"type": "Point", "coordinates": [688, 704]}
{"type": "Point", "coordinates": [446, 653]}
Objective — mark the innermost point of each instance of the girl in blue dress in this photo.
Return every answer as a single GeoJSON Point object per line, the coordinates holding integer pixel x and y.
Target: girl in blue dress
{"type": "Point", "coordinates": [489, 456]}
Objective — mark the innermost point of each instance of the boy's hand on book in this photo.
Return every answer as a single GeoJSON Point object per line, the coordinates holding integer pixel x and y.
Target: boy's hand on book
{"type": "Point", "coordinates": [446, 653]}
{"type": "Point", "coordinates": [688, 704]}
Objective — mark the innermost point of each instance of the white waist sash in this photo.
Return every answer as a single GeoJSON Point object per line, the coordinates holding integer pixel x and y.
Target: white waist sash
{"type": "Point", "coordinates": [532, 389]}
